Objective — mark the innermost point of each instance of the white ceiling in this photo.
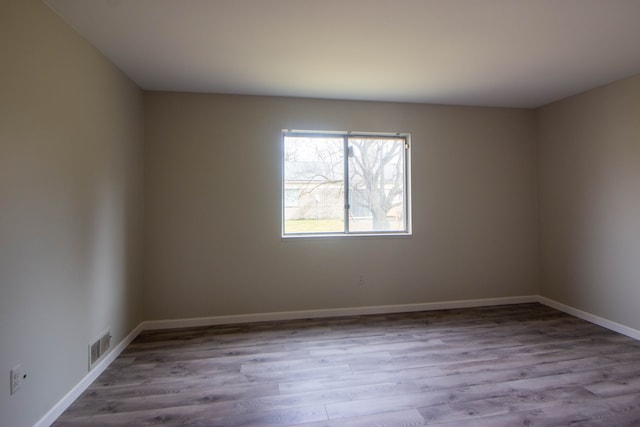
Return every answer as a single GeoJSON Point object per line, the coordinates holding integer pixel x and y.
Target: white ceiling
{"type": "Point", "coordinates": [511, 53]}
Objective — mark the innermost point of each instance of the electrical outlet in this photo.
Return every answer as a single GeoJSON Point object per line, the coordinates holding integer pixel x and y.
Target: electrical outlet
{"type": "Point", "coordinates": [16, 378]}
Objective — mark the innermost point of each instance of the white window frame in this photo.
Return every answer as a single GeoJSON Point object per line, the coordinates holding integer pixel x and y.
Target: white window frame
{"type": "Point", "coordinates": [347, 233]}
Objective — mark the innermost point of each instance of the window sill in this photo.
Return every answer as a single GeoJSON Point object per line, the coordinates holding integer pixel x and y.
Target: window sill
{"type": "Point", "coordinates": [347, 236]}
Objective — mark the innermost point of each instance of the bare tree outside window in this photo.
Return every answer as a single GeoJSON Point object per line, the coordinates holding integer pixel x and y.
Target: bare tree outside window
{"type": "Point", "coordinates": [376, 180]}
{"type": "Point", "coordinates": [345, 184]}
{"type": "Point", "coordinates": [314, 168]}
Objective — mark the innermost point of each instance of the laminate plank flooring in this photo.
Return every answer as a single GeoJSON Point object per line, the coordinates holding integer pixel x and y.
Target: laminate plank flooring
{"type": "Point", "coordinates": [517, 365]}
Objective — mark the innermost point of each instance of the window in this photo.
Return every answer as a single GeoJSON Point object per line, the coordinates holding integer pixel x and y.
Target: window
{"type": "Point", "coordinates": [345, 183]}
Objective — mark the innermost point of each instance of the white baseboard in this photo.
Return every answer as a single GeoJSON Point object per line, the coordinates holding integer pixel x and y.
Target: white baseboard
{"type": "Point", "coordinates": [600, 321]}
{"type": "Point", "coordinates": [85, 382]}
{"type": "Point", "coordinates": [332, 312]}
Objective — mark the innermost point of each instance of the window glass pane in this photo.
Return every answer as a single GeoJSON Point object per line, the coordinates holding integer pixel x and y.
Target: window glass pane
{"type": "Point", "coordinates": [314, 177]}
{"type": "Point", "coordinates": [376, 184]}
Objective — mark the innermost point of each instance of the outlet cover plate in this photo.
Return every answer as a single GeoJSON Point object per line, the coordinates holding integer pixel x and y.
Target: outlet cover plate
{"type": "Point", "coordinates": [16, 379]}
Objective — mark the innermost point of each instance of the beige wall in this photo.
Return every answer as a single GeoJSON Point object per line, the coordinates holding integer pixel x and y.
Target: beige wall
{"type": "Point", "coordinates": [212, 208]}
{"type": "Point", "coordinates": [589, 163]}
{"type": "Point", "coordinates": [70, 206]}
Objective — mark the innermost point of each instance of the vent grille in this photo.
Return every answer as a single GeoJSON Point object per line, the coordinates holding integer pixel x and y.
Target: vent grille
{"type": "Point", "coordinates": [98, 348]}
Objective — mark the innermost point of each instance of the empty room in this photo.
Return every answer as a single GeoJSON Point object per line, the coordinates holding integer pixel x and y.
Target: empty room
{"type": "Point", "coordinates": [319, 213]}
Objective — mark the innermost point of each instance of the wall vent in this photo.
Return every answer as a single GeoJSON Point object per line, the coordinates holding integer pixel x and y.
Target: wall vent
{"type": "Point", "coordinates": [98, 348]}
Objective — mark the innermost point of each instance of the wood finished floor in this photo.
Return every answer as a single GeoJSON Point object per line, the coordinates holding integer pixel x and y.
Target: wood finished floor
{"type": "Point", "coordinates": [518, 365]}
